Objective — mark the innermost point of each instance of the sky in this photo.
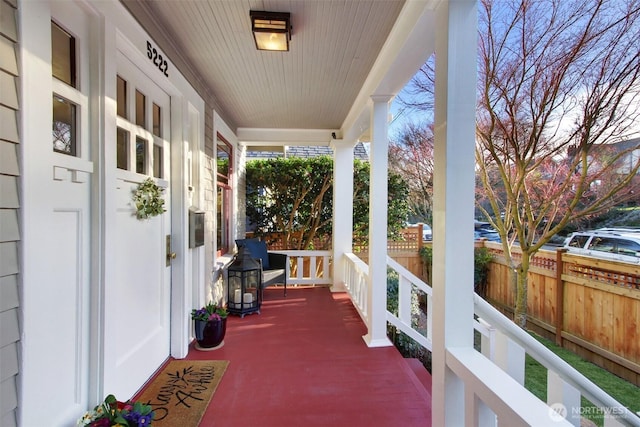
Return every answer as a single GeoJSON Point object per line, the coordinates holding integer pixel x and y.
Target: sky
{"type": "Point", "coordinates": [400, 116]}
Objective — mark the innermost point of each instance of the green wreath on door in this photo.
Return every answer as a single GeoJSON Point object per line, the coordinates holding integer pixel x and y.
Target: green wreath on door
{"type": "Point", "coordinates": [148, 200]}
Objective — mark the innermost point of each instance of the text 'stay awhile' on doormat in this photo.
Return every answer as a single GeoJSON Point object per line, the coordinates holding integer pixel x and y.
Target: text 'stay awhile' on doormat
{"type": "Point", "coordinates": [181, 392]}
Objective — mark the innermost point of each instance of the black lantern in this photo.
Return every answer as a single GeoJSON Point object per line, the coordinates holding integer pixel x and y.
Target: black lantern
{"type": "Point", "coordinates": [244, 283]}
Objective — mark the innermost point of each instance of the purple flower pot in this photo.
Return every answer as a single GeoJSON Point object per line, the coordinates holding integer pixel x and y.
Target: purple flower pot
{"type": "Point", "coordinates": [210, 334]}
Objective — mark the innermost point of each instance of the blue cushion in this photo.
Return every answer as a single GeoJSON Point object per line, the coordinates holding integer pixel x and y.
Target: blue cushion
{"type": "Point", "coordinates": [258, 249]}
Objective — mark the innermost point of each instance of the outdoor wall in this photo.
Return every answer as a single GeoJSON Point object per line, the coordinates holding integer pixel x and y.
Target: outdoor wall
{"type": "Point", "coordinates": [9, 214]}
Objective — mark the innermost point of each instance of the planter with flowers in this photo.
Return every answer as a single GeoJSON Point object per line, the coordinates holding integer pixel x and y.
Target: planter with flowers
{"type": "Point", "coordinates": [111, 412]}
{"type": "Point", "coordinates": [210, 324]}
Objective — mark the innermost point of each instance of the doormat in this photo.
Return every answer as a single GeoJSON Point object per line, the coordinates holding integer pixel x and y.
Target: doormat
{"type": "Point", "coordinates": [181, 392]}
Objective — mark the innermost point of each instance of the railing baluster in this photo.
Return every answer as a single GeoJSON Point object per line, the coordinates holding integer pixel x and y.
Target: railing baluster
{"type": "Point", "coordinates": [326, 271]}
{"type": "Point", "coordinates": [404, 300]}
{"type": "Point", "coordinates": [300, 270]}
{"type": "Point", "coordinates": [429, 316]}
{"type": "Point", "coordinates": [478, 413]}
{"type": "Point", "coordinates": [561, 392]}
{"type": "Point", "coordinates": [612, 421]}
{"type": "Point", "coordinates": [487, 340]}
{"type": "Point", "coordinates": [312, 267]}
{"type": "Point", "coordinates": [510, 357]}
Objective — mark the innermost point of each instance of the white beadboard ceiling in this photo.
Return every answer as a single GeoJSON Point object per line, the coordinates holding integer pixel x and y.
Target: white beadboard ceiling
{"type": "Point", "coordinates": [334, 46]}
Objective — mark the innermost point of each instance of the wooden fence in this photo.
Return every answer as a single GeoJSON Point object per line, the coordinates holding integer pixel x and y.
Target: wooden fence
{"type": "Point", "coordinates": [589, 306]}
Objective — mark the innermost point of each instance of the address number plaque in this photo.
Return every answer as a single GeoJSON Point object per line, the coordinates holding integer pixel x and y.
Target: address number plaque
{"type": "Point", "coordinates": [157, 59]}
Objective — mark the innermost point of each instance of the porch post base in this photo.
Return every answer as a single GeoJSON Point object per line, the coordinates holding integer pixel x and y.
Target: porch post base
{"type": "Point", "coordinates": [338, 287]}
{"type": "Point", "coordinates": [378, 342]}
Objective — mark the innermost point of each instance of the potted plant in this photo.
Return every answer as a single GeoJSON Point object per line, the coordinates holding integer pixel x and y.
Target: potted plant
{"type": "Point", "coordinates": [210, 324]}
{"type": "Point", "coordinates": [112, 412]}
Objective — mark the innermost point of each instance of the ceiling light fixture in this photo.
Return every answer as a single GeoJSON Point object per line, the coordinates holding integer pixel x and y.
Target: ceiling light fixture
{"type": "Point", "coordinates": [271, 30]}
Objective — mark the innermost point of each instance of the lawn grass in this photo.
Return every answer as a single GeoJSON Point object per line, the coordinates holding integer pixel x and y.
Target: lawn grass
{"type": "Point", "coordinates": [623, 391]}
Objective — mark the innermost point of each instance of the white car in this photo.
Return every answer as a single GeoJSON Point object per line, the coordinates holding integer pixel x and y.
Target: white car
{"type": "Point", "coordinates": [619, 244]}
{"type": "Point", "coordinates": [426, 231]}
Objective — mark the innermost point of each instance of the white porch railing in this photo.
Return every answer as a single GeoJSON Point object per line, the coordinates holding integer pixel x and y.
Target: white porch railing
{"type": "Point", "coordinates": [494, 388]}
{"type": "Point", "coordinates": [356, 272]}
{"type": "Point", "coordinates": [406, 282]}
{"type": "Point", "coordinates": [506, 345]}
{"type": "Point", "coordinates": [308, 267]}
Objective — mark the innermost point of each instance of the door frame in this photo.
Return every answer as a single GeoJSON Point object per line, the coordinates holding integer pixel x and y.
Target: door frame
{"type": "Point", "coordinates": [122, 33]}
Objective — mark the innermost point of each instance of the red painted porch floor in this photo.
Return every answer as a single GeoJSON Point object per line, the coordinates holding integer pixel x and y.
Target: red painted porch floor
{"type": "Point", "coordinates": [303, 362]}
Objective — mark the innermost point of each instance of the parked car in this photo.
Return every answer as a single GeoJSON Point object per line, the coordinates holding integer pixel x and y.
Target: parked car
{"type": "Point", "coordinates": [487, 233]}
{"type": "Point", "coordinates": [426, 231]}
{"type": "Point", "coordinates": [618, 244]}
{"type": "Point", "coordinates": [556, 241]}
{"type": "Point", "coordinates": [427, 235]}
{"type": "Point", "coordinates": [483, 230]}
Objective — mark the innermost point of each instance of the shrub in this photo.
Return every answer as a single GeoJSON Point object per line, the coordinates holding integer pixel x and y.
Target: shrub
{"type": "Point", "coordinates": [482, 257]}
{"type": "Point", "coordinates": [405, 344]}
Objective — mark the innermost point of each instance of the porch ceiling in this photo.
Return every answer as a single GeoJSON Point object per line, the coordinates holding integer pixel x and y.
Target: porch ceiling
{"type": "Point", "coordinates": [341, 53]}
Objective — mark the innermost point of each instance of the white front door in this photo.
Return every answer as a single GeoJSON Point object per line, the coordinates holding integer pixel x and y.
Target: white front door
{"type": "Point", "coordinates": [138, 302]}
{"type": "Point", "coordinates": [56, 179]}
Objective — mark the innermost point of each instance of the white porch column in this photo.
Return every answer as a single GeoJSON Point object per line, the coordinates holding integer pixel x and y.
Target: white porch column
{"type": "Point", "coordinates": [455, 102]}
{"type": "Point", "coordinates": [377, 285]}
{"type": "Point", "coordinates": [342, 208]}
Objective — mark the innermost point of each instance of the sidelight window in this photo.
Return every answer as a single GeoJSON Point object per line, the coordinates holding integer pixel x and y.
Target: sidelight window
{"type": "Point", "coordinates": [65, 112]}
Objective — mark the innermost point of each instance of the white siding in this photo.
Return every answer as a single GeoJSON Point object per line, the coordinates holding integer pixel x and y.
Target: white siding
{"type": "Point", "coordinates": [9, 207]}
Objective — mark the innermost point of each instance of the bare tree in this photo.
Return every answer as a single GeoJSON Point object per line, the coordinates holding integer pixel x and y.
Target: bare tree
{"type": "Point", "coordinates": [558, 83]}
{"type": "Point", "coordinates": [411, 156]}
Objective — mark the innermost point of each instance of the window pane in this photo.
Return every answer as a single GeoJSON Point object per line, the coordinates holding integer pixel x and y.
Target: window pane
{"type": "Point", "coordinates": [158, 160]}
{"type": "Point", "coordinates": [223, 156]}
{"type": "Point", "coordinates": [157, 121]}
{"type": "Point", "coordinates": [603, 244]}
{"type": "Point", "coordinates": [578, 241]}
{"type": "Point", "coordinates": [223, 170]}
{"type": "Point", "coordinates": [64, 126]}
{"type": "Point", "coordinates": [63, 55]}
{"type": "Point", "coordinates": [122, 97]}
{"type": "Point", "coordinates": [628, 247]}
{"type": "Point", "coordinates": [123, 149]}
{"type": "Point", "coordinates": [141, 155]}
{"type": "Point", "coordinates": [141, 102]}
{"type": "Point", "coordinates": [222, 237]}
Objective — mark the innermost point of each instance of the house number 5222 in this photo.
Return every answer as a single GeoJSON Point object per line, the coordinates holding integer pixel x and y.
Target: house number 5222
{"type": "Point", "coordinates": [157, 59]}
